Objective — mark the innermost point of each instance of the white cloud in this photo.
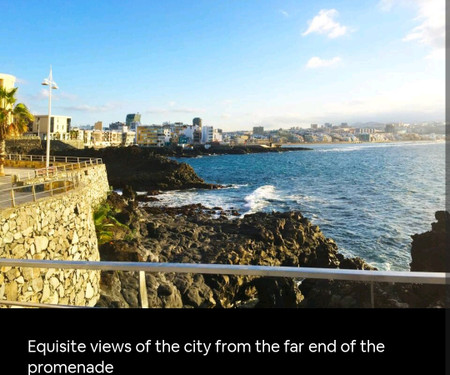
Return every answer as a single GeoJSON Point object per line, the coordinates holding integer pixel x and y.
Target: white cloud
{"type": "Point", "coordinates": [171, 109]}
{"type": "Point", "coordinates": [284, 13]}
{"type": "Point", "coordinates": [386, 5]}
{"type": "Point", "coordinates": [324, 23]}
{"type": "Point", "coordinates": [431, 28]}
{"type": "Point", "coordinates": [21, 81]}
{"type": "Point", "coordinates": [92, 108]}
{"type": "Point", "coordinates": [317, 62]}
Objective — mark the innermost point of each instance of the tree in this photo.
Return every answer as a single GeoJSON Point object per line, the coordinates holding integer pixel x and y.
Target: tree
{"type": "Point", "coordinates": [14, 120]}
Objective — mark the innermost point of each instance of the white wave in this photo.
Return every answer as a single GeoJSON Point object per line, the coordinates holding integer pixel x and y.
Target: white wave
{"type": "Point", "coordinates": [362, 146]}
{"type": "Point", "coordinates": [260, 198]}
{"type": "Point", "coordinates": [178, 198]}
{"type": "Point", "coordinates": [340, 149]}
{"type": "Point", "coordinates": [236, 186]}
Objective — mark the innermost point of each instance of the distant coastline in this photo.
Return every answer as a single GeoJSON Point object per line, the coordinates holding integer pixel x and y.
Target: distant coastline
{"type": "Point", "coordinates": [363, 142]}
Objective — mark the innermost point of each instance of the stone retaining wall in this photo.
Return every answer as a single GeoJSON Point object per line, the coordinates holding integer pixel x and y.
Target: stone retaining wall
{"type": "Point", "coordinates": [58, 228]}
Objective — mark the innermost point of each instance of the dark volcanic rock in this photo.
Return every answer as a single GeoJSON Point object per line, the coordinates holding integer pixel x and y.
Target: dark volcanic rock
{"type": "Point", "coordinates": [429, 250]}
{"type": "Point", "coordinates": [143, 169]}
{"type": "Point", "coordinates": [189, 235]}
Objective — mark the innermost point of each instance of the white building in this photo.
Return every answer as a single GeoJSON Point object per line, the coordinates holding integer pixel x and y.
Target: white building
{"type": "Point", "coordinates": [207, 134]}
{"type": "Point", "coordinates": [217, 135]}
{"type": "Point", "coordinates": [167, 135]}
{"type": "Point", "coordinates": [188, 131]}
{"type": "Point", "coordinates": [59, 126]}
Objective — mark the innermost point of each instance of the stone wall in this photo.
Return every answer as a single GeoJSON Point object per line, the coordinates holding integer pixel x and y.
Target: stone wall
{"type": "Point", "coordinates": [56, 228]}
{"type": "Point", "coordinates": [23, 145]}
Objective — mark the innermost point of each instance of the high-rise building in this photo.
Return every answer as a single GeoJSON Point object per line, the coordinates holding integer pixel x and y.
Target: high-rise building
{"type": "Point", "coordinates": [314, 126]}
{"type": "Point", "coordinates": [197, 121]}
{"type": "Point", "coordinates": [207, 134]}
{"type": "Point", "coordinates": [133, 120]}
{"type": "Point", "coordinates": [258, 130]}
{"type": "Point", "coordinates": [98, 125]}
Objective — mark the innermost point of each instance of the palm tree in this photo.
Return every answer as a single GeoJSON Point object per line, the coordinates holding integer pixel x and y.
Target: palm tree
{"type": "Point", "coordinates": [14, 120]}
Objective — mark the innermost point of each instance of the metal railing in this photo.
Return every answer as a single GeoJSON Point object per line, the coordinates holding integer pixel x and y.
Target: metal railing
{"type": "Point", "coordinates": [32, 184]}
{"type": "Point", "coordinates": [61, 164]}
{"type": "Point", "coordinates": [53, 159]}
{"type": "Point", "coordinates": [13, 196]}
{"type": "Point", "coordinates": [436, 278]}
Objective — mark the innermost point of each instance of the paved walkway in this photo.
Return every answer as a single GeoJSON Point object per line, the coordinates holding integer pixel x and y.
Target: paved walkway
{"type": "Point", "coordinates": [5, 188]}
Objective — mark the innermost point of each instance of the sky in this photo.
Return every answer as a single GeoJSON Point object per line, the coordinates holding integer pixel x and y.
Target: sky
{"type": "Point", "coordinates": [236, 64]}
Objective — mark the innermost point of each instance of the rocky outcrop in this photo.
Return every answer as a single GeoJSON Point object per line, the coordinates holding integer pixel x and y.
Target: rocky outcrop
{"type": "Point", "coordinates": [429, 250]}
{"type": "Point", "coordinates": [189, 234]}
{"type": "Point", "coordinates": [218, 149]}
{"type": "Point", "coordinates": [142, 169]}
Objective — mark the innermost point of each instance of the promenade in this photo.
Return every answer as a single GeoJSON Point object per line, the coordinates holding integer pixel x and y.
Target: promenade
{"type": "Point", "coordinates": [5, 187]}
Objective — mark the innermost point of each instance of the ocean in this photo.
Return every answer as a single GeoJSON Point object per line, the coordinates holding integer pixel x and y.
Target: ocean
{"type": "Point", "coordinates": [370, 198]}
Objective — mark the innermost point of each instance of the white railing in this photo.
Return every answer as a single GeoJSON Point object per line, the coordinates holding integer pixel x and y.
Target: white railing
{"type": "Point", "coordinates": [437, 278]}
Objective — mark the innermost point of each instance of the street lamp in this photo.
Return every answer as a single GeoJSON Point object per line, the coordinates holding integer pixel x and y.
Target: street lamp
{"type": "Point", "coordinates": [51, 86]}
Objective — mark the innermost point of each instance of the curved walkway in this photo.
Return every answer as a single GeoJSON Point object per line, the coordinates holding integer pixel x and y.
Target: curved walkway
{"type": "Point", "coordinates": [5, 186]}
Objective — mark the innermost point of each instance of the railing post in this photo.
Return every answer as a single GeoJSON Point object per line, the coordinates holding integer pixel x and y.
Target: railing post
{"type": "Point", "coordinates": [33, 191]}
{"type": "Point", "coordinates": [51, 189]}
{"type": "Point", "coordinates": [65, 159]}
{"type": "Point", "coordinates": [372, 296]}
{"type": "Point", "coordinates": [143, 290]}
{"type": "Point", "coordinates": [13, 199]}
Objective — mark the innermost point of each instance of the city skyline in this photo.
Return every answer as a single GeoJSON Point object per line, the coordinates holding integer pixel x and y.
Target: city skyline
{"type": "Point", "coordinates": [236, 65]}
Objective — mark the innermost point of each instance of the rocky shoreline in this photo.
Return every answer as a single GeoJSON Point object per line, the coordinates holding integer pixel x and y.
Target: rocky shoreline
{"type": "Point", "coordinates": [151, 169]}
{"type": "Point", "coordinates": [217, 149]}
{"type": "Point", "coordinates": [190, 235]}
{"type": "Point", "coordinates": [143, 170]}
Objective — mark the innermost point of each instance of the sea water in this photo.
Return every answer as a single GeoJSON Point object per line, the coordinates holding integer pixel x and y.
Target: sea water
{"type": "Point", "coordinates": [370, 198]}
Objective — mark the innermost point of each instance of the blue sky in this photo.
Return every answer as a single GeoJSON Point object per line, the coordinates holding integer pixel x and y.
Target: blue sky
{"type": "Point", "coordinates": [236, 64]}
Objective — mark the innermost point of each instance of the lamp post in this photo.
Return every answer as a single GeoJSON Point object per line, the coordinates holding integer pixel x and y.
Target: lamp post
{"type": "Point", "coordinates": [51, 86]}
